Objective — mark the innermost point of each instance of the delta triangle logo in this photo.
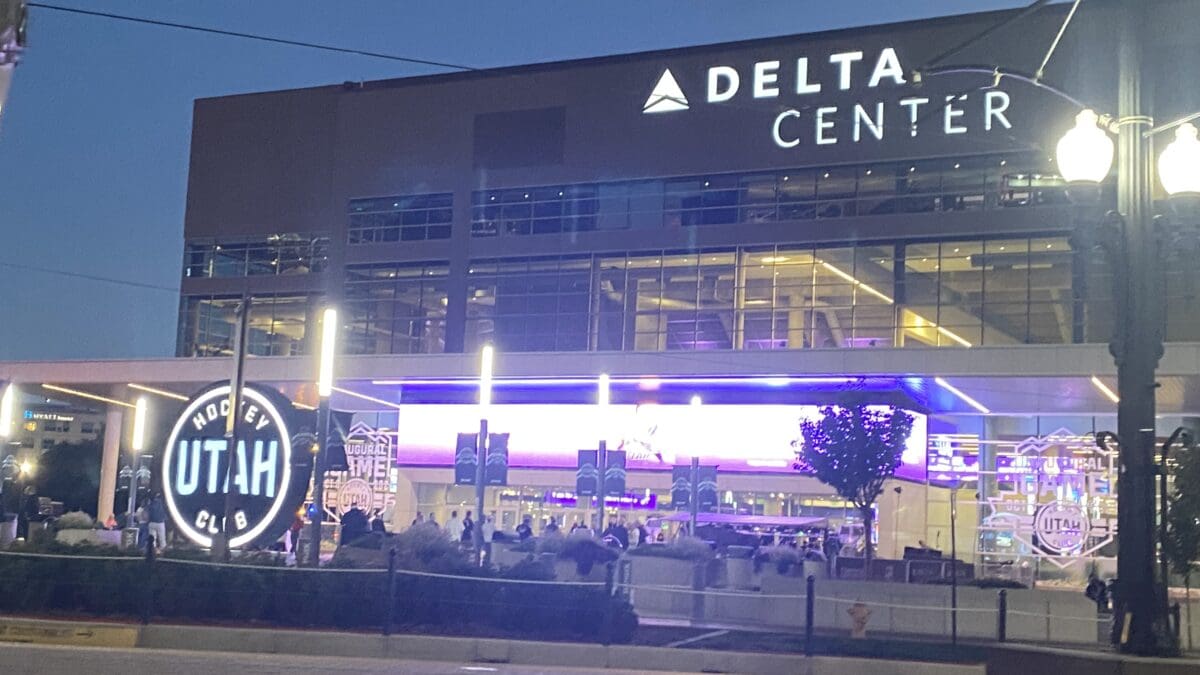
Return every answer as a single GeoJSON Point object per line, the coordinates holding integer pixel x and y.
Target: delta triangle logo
{"type": "Point", "coordinates": [666, 97]}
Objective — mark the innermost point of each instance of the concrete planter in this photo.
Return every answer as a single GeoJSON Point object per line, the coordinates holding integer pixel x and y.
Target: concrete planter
{"type": "Point", "coordinates": [504, 556]}
{"type": "Point", "coordinates": [8, 532]}
{"type": "Point", "coordinates": [656, 571]}
{"type": "Point", "coordinates": [567, 570]}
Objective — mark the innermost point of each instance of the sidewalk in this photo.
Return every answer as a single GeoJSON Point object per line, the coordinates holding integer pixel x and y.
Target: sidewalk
{"type": "Point", "coordinates": [512, 652]}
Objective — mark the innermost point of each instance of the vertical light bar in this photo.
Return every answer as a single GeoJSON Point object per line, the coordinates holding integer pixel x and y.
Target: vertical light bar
{"type": "Point", "coordinates": [1104, 389]}
{"type": "Point", "coordinates": [138, 442]}
{"type": "Point", "coordinates": [7, 401]}
{"type": "Point", "coordinates": [328, 349]}
{"type": "Point", "coordinates": [696, 400]}
{"type": "Point", "coordinates": [963, 397]}
{"type": "Point", "coordinates": [602, 390]}
{"type": "Point", "coordinates": [486, 357]}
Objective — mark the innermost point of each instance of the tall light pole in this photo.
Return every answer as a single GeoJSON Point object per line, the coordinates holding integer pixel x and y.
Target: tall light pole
{"type": "Point", "coordinates": [329, 325]}
{"type": "Point", "coordinates": [1136, 245]}
{"type": "Point", "coordinates": [486, 358]}
{"type": "Point", "coordinates": [137, 442]}
{"type": "Point", "coordinates": [696, 402]}
{"type": "Point", "coordinates": [8, 402]}
{"type": "Point", "coordinates": [603, 390]}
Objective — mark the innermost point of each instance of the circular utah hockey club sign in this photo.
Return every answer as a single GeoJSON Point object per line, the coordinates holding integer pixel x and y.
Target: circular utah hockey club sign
{"type": "Point", "coordinates": [197, 476]}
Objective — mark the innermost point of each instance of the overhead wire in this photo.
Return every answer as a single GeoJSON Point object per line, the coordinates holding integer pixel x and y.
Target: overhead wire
{"type": "Point", "coordinates": [89, 277]}
{"type": "Point", "coordinates": [251, 36]}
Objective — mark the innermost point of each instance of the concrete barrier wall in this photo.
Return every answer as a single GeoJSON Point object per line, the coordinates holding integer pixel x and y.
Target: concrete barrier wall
{"type": "Point", "coordinates": [896, 608]}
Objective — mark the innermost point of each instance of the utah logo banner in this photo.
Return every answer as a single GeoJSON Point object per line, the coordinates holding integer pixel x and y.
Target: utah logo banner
{"type": "Point", "coordinates": [465, 460]}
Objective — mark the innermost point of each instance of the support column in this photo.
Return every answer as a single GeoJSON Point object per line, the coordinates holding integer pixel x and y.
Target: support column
{"type": "Point", "coordinates": [1137, 348]}
{"type": "Point", "coordinates": [110, 461]}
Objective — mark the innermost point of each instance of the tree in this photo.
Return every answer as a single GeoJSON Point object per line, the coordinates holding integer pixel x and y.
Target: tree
{"type": "Point", "coordinates": [70, 473]}
{"type": "Point", "coordinates": [855, 449]}
{"type": "Point", "coordinates": [1182, 545]}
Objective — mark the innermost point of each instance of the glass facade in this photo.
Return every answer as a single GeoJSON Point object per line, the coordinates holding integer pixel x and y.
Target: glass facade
{"type": "Point", "coordinates": [279, 325]}
{"type": "Point", "coordinates": [395, 309]}
{"type": "Point", "coordinates": [530, 305]}
{"type": "Point", "coordinates": [955, 294]}
{"type": "Point", "coordinates": [400, 218]}
{"type": "Point", "coordinates": [963, 184]}
{"type": "Point", "coordinates": [274, 254]}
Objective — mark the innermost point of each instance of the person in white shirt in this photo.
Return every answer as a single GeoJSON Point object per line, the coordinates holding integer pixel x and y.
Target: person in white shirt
{"type": "Point", "coordinates": [454, 527]}
{"type": "Point", "coordinates": [488, 529]}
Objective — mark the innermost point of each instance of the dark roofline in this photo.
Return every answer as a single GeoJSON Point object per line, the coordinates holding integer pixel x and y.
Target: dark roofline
{"type": "Point", "coordinates": [542, 66]}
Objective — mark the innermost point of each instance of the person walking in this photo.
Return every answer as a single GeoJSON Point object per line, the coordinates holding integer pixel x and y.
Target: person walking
{"type": "Point", "coordinates": [621, 532]}
{"type": "Point", "coordinates": [143, 524]}
{"type": "Point", "coordinates": [454, 528]}
{"type": "Point", "coordinates": [488, 529]}
{"type": "Point", "coordinates": [525, 529]}
{"type": "Point", "coordinates": [468, 532]}
{"type": "Point", "coordinates": [156, 513]}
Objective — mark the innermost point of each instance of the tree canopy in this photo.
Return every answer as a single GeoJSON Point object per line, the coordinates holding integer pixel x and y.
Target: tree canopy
{"type": "Point", "coordinates": [70, 473]}
{"type": "Point", "coordinates": [855, 450]}
{"type": "Point", "coordinates": [1182, 545]}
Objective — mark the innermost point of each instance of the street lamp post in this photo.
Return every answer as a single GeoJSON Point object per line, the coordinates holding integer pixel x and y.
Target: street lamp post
{"type": "Point", "coordinates": [1135, 244]}
{"type": "Point", "coordinates": [486, 358]}
{"type": "Point", "coordinates": [324, 392]}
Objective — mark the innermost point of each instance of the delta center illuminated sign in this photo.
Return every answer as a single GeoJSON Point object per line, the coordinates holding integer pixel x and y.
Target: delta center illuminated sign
{"type": "Point", "coordinates": [817, 106]}
{"type": "Point", "coordinates": [266, 482]}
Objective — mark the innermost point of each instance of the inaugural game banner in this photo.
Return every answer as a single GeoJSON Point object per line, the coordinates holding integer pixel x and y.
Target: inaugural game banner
{"type": "Point", "coordinates": [368, 482]}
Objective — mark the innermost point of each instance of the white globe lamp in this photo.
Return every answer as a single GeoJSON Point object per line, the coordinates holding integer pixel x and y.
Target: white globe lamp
{"type": "Point", "coordinates": [1179, 163]}
{"type": "Point", "coordinates": [1085, 153]}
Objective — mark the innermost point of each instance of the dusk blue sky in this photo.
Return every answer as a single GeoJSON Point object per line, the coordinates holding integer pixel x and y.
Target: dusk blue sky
{"type": "Point", "coordinates": [94, 143]}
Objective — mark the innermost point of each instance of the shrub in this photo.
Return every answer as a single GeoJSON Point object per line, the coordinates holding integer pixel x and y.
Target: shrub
{"type": "Point", "coordinates": [526, 546]}
{"type": "Point", "coordinates": [685, 548]}
{"type": "Point", "coordinates": [183, 590]}
{"type": "Point", "coordinates": [426, 549]}
{"type": "Point", "coordinates": [552, 543]}
{"type": "Point", "coordinates": [75, 520]}
{"type": "Point", "coordinates": [586, 552]}
{"type": "Point", "coordinates": [529, 570]}
{"type": "Point", "coordinates": [783, 557]}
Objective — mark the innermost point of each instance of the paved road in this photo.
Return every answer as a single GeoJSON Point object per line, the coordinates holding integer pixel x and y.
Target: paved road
{"type": "Point", "coordinates": [51, 660]}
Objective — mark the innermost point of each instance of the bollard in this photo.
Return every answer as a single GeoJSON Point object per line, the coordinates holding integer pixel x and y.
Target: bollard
{"type": "Point", "coordinates": [390, 598]}
{"type": "Point", "coordinates": [809, 602]}
{"type": "Point", "coordinates": [698, 596]}
{"type": "Point", "coordinates": [1002, 616]}
{"type": "Point", "coordinates": [148, 595]}
{"type": "Point", "coordinates": [1175, 625]}
{"type": "Point", "coordinates": [606, 615]}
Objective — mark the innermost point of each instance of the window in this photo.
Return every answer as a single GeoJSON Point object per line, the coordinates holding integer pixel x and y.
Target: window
{"type": "Point", "coordinates": [529, 305]}
{"type": "Point", "coordinates": [953, 184]}
{"type": "Point", "coordinates": [396, 309]}
{"type": "Point", "coordinates": [400, 218]}
{"type": "Point", "coordinates": [542, 210]}
{"type": "Point", "coordinates": [271, 255]}
{"type": "Point", "coordinates": [278, 325]}
{"type": "Point", "coordinates": [993, 292]}
{"type": "Point", "coordinates": [87, 427]}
